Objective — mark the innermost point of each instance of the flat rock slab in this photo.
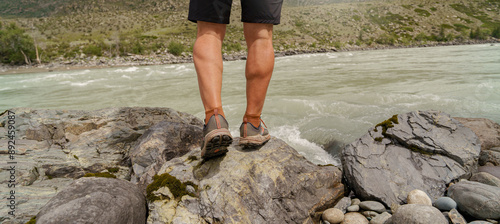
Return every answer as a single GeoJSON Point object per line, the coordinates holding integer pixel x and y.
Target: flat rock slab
{"type": "Point", "coordinates": [273, 184]}
{"type": "Point", "coordinates": [96, 200]}
{"type": "Point", "coordinates": [423, 150]}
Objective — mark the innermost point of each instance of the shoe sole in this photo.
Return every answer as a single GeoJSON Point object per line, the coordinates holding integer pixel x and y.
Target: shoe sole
{"type": "Point", "coordinates": [216, 143]}
{"type": "Point", "coordinates": [254, 141]}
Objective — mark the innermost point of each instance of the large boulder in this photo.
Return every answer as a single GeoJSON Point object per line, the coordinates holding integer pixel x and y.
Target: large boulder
{"type": "Point", "coordinates": [487, 130]}
{"type": "Point", "coordinates": [423, 150]}
{"type": "Point", "coordinates": [479, 200]}
{"type": "Point", "coordinates": [96, 200]}
{"type": "Point", "coordinates": [54, 147]}
{"type": "Point", "coordinates": [273, 184]}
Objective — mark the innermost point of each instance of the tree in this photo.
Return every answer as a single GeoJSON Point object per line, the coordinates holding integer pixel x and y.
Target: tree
{"type": "Point", "coordinates": [16, 47]}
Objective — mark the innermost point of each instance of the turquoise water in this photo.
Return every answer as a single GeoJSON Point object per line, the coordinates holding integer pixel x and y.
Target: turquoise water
{"type": "Point", "coordinates": [313, 99]}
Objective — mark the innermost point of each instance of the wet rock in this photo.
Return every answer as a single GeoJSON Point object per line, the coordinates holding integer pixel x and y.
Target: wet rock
{"type": "Point", "coordinates": [333, 215]}
{"type": "Point", "coordinates": [372, 206]}
{"type": "Point", "coordinates": [273, 184]}
{"type": "Point", "coordinates": [423, 150]}
{"type": "Point", "coordinates": [417, 214]}
{"type": "Point", "coordinates": [476, 199]}
{"type": "Point", "coordinates": [485, 178]}
{"type": "Point", "coordinates": [445, 204]}
{"type": "Point", "coordinates": [487, 130]}
{"type": "Point", "coordinates": [354, 218]}
{"type": "Point", "coordinates": [96, 200]}
{"type": "Point", "coordinates": [419, 197]}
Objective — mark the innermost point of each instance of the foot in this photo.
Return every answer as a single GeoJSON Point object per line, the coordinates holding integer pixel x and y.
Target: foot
{"type": "Point", "coordinates": [251, 136]}
{"type": "Point", "coordinates": [217, 137]}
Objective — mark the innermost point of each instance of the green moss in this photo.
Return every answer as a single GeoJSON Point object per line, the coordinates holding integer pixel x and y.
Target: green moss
{"type": "Point", "coordinates": [106, 174]}
{"type": "Point", "coordinates": [32, 220]}
{"type": "Point", "coordinates": [422, 12]}
{"type": "Point", "coordinates": [193, 157]}
{"type": "Point", "coordinates": [421, 151]}
{"type": "Point", "coordinates": [76, 157]}
{"type": "Point", "coordinates": [326, 165]}
{"type": "Point", "coordinates": [113, 169]}
{"type": "Point", "coordinates": [389, 123]}
{"type": "Point", "coordinates": [379, 139]}
{"type": "Point", "coordinates": [49, 176]}
{"type": "Point", "coordinates": [176, 187]}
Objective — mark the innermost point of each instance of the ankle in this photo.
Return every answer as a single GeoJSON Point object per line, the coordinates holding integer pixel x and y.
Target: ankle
{"type": "Point", "coordinates": [211, 112]}
{"type": "Point", "coordinates": [253, 119]}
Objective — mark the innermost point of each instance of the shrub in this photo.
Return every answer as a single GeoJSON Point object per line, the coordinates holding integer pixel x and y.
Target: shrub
{"type": "Point", "coordinates": [422, 12]}
{"type": "Point", "coordinates": [16, 47]}
{"type": "Point", "coordinates": [92, 50]}
{"type": "Point", "coordinates": [175, 48]}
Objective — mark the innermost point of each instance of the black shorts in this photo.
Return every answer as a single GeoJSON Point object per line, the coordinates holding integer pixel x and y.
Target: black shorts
{"type": "Point", "coordinates": [252, 11]}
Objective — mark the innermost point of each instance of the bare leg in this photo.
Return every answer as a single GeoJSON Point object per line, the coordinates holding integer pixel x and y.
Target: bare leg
{"type": "Point", "coordinates": [259, 67]}
{"type": "Point", "coordinates": [207, 58]}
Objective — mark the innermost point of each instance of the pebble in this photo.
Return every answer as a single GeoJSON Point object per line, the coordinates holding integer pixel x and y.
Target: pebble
{"type": "Point", "coordinates": [333, 215]}
{"type": "Point", "coordinates": [355, 201]}
{"type": "Point", "coordinates": [456, 217]}
{"type": "Point", "coordinates": [372, 206]}
{"type": "Point", "coordinates": [445, 204]}
{"type": "Point", "coordinates": [381, 218]}
{"type": "Point", "coordinates": [480, 222]}
{"type": "Point", "coordinates": [343, 204]}
{"type": "Point", "coordinates": [418, 197]}
{"type": "Point", "coordinates": [355, 218]}
{"type": "Point", "coordinates": [369, 214]}
{"type": "Point", "coordinates": [353, 208]}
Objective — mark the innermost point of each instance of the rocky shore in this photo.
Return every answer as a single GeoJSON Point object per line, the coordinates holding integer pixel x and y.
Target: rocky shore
{"type": "Point", "coordinates": [161, 58]}
{"type": "Point", "coordinates": [142, 165]}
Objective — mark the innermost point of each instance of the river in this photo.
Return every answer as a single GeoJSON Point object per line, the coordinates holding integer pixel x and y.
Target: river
{"type": "Point", "coordinates": [315, 101]}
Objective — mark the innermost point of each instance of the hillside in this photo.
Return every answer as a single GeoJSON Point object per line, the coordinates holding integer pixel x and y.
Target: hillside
{"type": "Point", "coordinates": [76, 29]}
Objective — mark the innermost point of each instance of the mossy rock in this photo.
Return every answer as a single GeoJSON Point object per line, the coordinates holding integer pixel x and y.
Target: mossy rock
{"type": "Point", "coordinates": [105, 174]}
{"type": "Point", "coordinates": [176, 187]}
{"type": "Point", "coordinates": [389, 123]}
{"type": "Point", "coordinates": [113, 169]}
{"type": "Point", "coordinates": [32, 220]}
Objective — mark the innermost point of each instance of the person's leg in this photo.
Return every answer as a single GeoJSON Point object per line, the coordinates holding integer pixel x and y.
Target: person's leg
{"type": "Point", "coordinates": [259, 68]}
{"type": "Point", "coordinates": [207, 58]}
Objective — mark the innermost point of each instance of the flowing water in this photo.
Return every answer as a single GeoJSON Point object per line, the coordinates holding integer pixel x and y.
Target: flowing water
{"type": "Point", "coordinates": [316, 102]}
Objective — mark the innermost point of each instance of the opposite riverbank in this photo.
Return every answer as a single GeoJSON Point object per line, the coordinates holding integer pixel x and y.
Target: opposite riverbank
{"type": "Point", "coordinates": [95, 62]}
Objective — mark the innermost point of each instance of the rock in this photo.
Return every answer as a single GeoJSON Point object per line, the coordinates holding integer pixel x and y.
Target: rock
{"type": "Point", "coordinates": [353, 208]}
{"type": "Point", "coordinates": [489, 156]}
{"type": "Point", "coordinates": [493, 170]}
{"type": "Point", "coordinates": [369, 214]}
{"type": "Point", "coordinates": [445, 204]}
{"type": "Point", "coordinates": [381, 218]}
{"type": "Point", "coordinates": [161, 143]}
{"type": "Point", "coordinates": [476, 199]}
{"type": "Point", "coordinates": [333, 215]}
{"type": "Point", "coordinates": [354, 218]}
{"type": "Point", "coordinates": [273, 184]}
{"type": "Point", "coordinates": [355, 201]}
{"type": "Point", "coordinates": [96, 200]}
{"type": "Point", "coordinates": [487, 130]}
{"type": "Point", "coordinates": [479, 222]}
{"type": "Point", "coordinates": [343, 204]}
{"type": "Point", "coordinates": [57, 146]}
{"type": "Point", "coordinates": [423, 150]}
{"type": "Point", "coordinates": [372, 206]}
{"type": "Point", "coordinates": [456, 217]}
{"type": "Point", "coordinates": [419, 197]}
{"type": "Point", "coordinates": [417, 214]}
{"type": "Point", "coordinates": [485, 178]}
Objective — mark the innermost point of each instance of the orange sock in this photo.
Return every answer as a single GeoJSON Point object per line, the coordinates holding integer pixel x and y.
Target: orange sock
{"type": "Point", "coordinates": [209, 113]}
{"type": "Point", "coordinates": [253, 119]}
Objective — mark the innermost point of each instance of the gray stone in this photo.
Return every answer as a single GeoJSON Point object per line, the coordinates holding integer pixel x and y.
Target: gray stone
{"type": "Point", "coordinates": [485, 178]}
{"type": "Point", "coordinates": [381, 218]}
{"type": "Point", "coordinates": [159, 144]}
{"type": "Point", "coordinates": [476, 199]}
{"type": "Point", "coordinates": [372, 206]}
{"type": "Point", "coordinates": [487, 130]}
{"type": "Point", "coordinates": [56, 146]}
{"type": "Point", "coordinates": [445, 204]}
{"type": "Point", "coordinates": [417, 214]}
{"type": "Point", "coordinates": [273, 184]}
{"type": "Point", "coordinates": [489, 156]}
{"type": "Point", "coordinates": [456, 217]}
{"type": "Point", "coordinates": [369, 214]}
{"type": "Point", "coordinates": [96, 200]}
{"type": "Point", "coordinates": [353, 208]}
{"type": "Point", "coordinates": [418, 197]}
{"type": "Point", "coordinates": [425, 150]}
{"type": "Point", "coordinates": [493, 170]}
{"type": "Point", "coordinates": [343, 204]}
{"type": "Point", "coordinates": [480, 222]}
{"type": "Point", "coordinates": [333, 215]}
{"type": "Point", "coordinates": [354, 218]}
